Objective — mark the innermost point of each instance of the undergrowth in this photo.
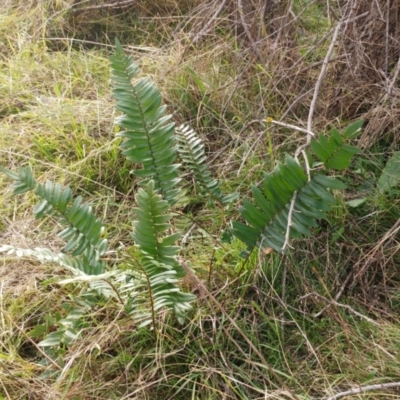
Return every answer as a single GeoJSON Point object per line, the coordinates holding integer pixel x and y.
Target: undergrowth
{"type": "Point", "coordinates": [57, 115]}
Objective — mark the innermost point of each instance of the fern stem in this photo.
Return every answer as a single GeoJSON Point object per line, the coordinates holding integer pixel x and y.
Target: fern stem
{"type": "Point", "coordinates": [115, 290]}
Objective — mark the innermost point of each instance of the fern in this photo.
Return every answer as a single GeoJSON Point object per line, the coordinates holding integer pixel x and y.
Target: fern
{"type": "Point", "coordinates": [333, 151]}
{"type": "Point", "coordinates": [191, 150]}
{"type": "Point", "coordinates": [158, 254]}
{"type": "Point", "coordinates": [24, 180]}
{"type": "Point", "coordinates": [148, 137]}
{"type": "Point", "coordinates": [83, 231]}
{"type": "Point", "coordinates": [288, 203]}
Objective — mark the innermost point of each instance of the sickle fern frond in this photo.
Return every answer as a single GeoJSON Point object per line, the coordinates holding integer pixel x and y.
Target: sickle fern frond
{"type": "Point", "coordinates": [148, 137]}
{"type": "Point", "coordinates": [268, 215]}
{"type": "Point", "coordinates": [289, 202]}
{"type": "Point", "coordinates": [157, 255]}
{"type": "Point", "coordinates": [83, 231]}
{"type": "Point", "coordinates": [191, 150]}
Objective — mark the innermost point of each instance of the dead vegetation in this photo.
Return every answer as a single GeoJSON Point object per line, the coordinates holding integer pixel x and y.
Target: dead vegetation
{"type": "Point", "coordinates": [223, 67]}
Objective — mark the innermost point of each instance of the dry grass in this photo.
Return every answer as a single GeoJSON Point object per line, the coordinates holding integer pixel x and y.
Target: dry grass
{"type": "Point", "coordinates": [57, 114]}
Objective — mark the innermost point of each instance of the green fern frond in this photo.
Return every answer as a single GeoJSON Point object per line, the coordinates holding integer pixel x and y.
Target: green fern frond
{"type": "Point", "coordinates": [83, 233]}
{"type": "Point", "coordinates": [158, 253]}
{"type": "Point", "coordinates": [24, 180]}
{"type": "Point", "coordinates": [333, 151]}
{"type": "Point", "coordinates": [268, 214]}
{"type": "Point", "coordinates": [148, 137]}
{"type": "Point", "coordinates": [191, 150]}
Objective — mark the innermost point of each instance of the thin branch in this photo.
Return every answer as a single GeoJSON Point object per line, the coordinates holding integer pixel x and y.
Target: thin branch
{"type": "Point", "coordinates": [394, 79]}
{"type": "Point", "coordinates": [318, 63]}
{"type": "Point", "coordinates": [290, 126]}
{"type": "Point", "coordinates": [308, 169]}
{"type": "Point", "coordinates": [363, 389]}
{"type": "Point", "coordinates": [336, 304]}
{"type": "Point", "coordinates": [337, 296]}
{"type": "Point", "coordinates": [324, 67]}
{"type": "Point", "coordinates": [365, 261]}
{"type": "Point", "coordinates": [116, 4]}
{"type": "Point", "coordinates": [387, 38]}
{"type": "Point", "coordinates": [321, 77]}
{"type": "Point", "coordinates": [187, 234]}
{"type": "Point", "coordinates": [244, 160]}
{"type": "Point", "coordinates": [290, 222]}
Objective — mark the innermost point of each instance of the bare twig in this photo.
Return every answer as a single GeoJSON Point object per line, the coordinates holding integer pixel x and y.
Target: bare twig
{"type": "Point", "coordinates": [387, 38]}
{"type": "Point", "coordinates": [318, 63]}
{"type": "Point", "coordinates": [290, 126]}
{"type": "Point", "coordinates": [245, 157]}
{"type": "Point", "coordinates": [366, 261]}
{"type": "Point", "coordinates": [390, 233]}
{"type": "Point", "coordinates": [187, 234]}
{"type": "Point", "coordinates": [394, 79]}
{"type": "Point", "coordinates": [321, 77]}
{"type": "Point", "coordinates": [126, 48]}
{"type": "Point", "coordinates": [363, 389]}
{"type": "Point", "coordinates": [116, 4]}
{"type": "Point", "coordinates": [337, 296]}
{"type": "Point", "coordinates": [309, 132]}
{"type": "Point", "coordinates": [325, 65]}
{"type": "Point", "coordinates": [290, 223]}
{"type": "Point", "coordinates": [336, 304]}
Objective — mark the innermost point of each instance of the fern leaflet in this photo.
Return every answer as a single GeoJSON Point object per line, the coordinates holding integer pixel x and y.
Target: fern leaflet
{"type": "Point", "coordinates": [333, 151]}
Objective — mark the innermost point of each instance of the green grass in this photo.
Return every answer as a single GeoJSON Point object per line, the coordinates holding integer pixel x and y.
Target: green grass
{"type": "Point", "coordinates": [57, 114]}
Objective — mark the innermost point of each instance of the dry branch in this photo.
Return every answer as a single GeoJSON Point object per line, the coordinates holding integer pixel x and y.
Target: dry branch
{"type": "Point", "coordinates": [115, 4]}
{"type": "Point", "coordinates": [363, 389]}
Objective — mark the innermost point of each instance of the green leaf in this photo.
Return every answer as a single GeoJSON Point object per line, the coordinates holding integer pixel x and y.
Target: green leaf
{"type": "Point", "coordinates": [356, 202]}
{"type": "Point", "coordinates": [391, 174]}
{"type": "Point", "coordinates": [37, 331]}
{"type": "Point", "coordinates": [354, 130]}
{"type": "Point", "coordinates": [320, 151]}
{"type": "Point", "coordinates": [53, 339]}
{"type": "Point", "coordinates": [329, 182]}
{"type": "Point", "coordinates": [334, 152]}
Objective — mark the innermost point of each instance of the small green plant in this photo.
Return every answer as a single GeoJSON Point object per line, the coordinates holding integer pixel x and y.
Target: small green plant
{"type": "Point", "coordinates": [390, 177]}
{"type": "Point", "coordinates": [290, 199]}
{"type": "Point", "coordinates": [286, 205]}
